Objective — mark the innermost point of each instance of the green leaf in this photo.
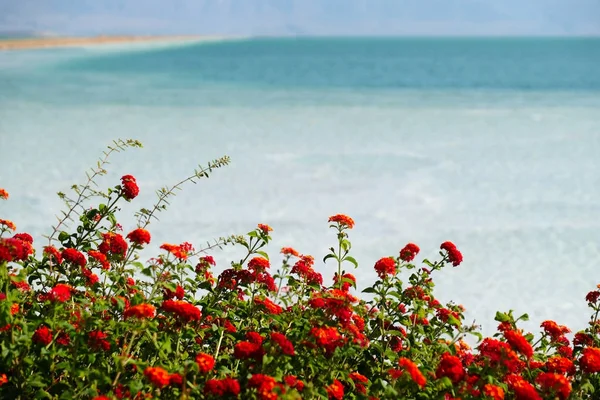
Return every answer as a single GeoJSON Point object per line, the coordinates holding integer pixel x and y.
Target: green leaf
{"type": "Point", "coordinates": [264, 254]}
{"type": "Point", "coordinates": [63, 236]}
{"type": "Point", "coordinates": [524, 317]}
{"type": "Point", "coordinates": [501, 317]}
{"type": "Point", "coordinates": [328, 256]}
{"type": "Point", "coordinates": [369, 290]}
{"type": "Point", "coordinates": [352, 260]}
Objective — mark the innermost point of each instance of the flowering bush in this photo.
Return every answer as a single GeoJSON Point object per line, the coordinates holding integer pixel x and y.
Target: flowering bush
{"type": "Point", "coordinates": [86, 319]}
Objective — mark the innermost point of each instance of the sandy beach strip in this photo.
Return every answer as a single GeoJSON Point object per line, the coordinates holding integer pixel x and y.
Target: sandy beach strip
{"type": "Point", "coordinates": [48, 42]}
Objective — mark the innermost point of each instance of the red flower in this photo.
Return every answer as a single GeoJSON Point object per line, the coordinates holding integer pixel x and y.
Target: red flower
{"type": "Point", "coordinates": [101, 258]}
{"type": "Point", "coordinates": [286, 346]}
{"type": "Point", "coordinates": [221, 387]}
{"type": "Point", "coordinates": [450, 366]}
{"type": "Point", "coordinates": [554, 384]}
{"type": "Point", "coordinates": [409, 252]}
{"type": "Point", "coordinates": [169, 294]}
{"type": "Point", "coordinates": [97, 340]}
{"type": "Point", "coordinates": [244, 350]}
{"type": "Point", "coordinates": [26, 237]}
{"type": "Point", "coordinates": [175, 379]}
{"type": "Point", "coordinates": [100, 398]}
{"type": "Point", "coordinates": [53, 254]}
{"type": "Point", "coordinates": [385, 266]}
{"type": "Point", "coordinates": [130, 189]}
{"type": "Point", "coordinates": [293, 382]}
{"type": "Point", "coordinates": [410, 367]}
{"type": "Point", "coordinates": [3, 378]}
{"type": "Point", "coordinates": [185, 311]}
{"type": "Point", "coordinates": [8, 224]}
{"type": "Point", "coordinates": [158, 376]}
{"type": "Point", "coordinates": [560, 365]}
{"type": "Point", "coordinates": [288, 251]}
{"type": "Point", "coordinates": [74, 256]}
{"type": "Point", "coordinates": [523, 390]}
{"type": "Point", "coordinates": [265, 229]}
{"type": "Point", "coordinates": [113, 244]}
{"type": "Point", "coordinates": [15, 249]}
{"type": "Point", "coordinates": [554, 330]}
{"type": "Point", "coordinates": [269, 305]}
{"type": "Point", "coordinates": [140, 311]}
{"type": "Point", "coordinates": [493, 391]}
{"type": "Point", "coordinates": [342, 220]}
{"type": "Point", "coordinates": [590, 360]}
{"type": "Point", "coordinates": [205, 362]}
{"type": "Point", "coordinates": [454, 256]}
{"type": "Point", "coordinates": [42, 335]}
{"type": "Point", "coordinates": [348, 280]}
{"type": "Point", "coordinates": [258, 264]}
{"type": "Point", "coordinates": [179, 251]}
{"type": "Point", "coordinates": [139, 236]}
{"type": "Point", "coordinates": [335, 390]}
{"type": "Point", "coordinates": [3, 194]}
{"type": "Point", "coordinates": [582, 339]}
{"type": "Point", "coordinates": [519, 343]}
{"type": "Point", "coordinates": [61, 292]}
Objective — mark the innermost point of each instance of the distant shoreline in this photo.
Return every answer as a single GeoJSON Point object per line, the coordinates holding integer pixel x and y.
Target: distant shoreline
{"type": "Point", "coordinates": [50, 42]}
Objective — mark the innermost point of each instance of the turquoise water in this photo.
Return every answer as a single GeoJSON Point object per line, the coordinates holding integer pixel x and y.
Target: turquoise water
{"type": "Point", "coordinates": [490, 143]}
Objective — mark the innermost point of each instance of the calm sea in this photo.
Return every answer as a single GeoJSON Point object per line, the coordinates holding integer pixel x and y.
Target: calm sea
{"type": "Point", "coordinates": [491, 143]}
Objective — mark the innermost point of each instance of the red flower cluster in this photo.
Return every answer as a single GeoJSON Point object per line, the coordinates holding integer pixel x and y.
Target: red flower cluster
{"type": "Point", "coordinates": [129, 187]}
{"type": "Point", "coordinates": [42, 335]}
{"type": "Point", "coordinates": [140, 311]}
{"type": "Point", "coordinates": [590, 360]}
{"type": "Point", "coordinates": [205, 362]}
{"type": "Point", "coordinates": [113, 244]}
{"type": "Point", "coordinates": [327, 337]}
{"type": "Point", "coordinates": [554, 384]}
{"type": "Point", "coordinates": [101, 258]}
{"type": "Point", "coordinates": [61, 292]}
{"type": "Point", "coordinates": [286, 346]}
{"type": "Point", "coordinates": [385, 267]}
{"type": "Point", "coordinates": [17, 248]}
{"type": "Point", "coordinates": [407, 365]}
{"type": "Point", "coordinates": [409, 252]}
{"type": "Point", "coordinates": [139, 236]}
{"type": "Point", "coordinates": [158, 376]}
{"type": "Point", "coordinates": [288, 251]}
{"type": "Point", "coordinates": [53, 254]}
{"type": "Point", "coordinates": [74, 256]}
{"type": "Point", "coordinates": [523, 390]}
{"type": "Point", "coordinates": [454, 256]}
{"type": "Point", "coordinates": [519, 343]}
{"type": "Point", "coordinates": [97, 340]}
{"type": "Point", "coordinates": [268, 305]}
{"type": "Point", "coordinates": [264, 386]}
{"type": "Point", "coordinates": [450, 366]}
{"type": "Point", "coordinates": [265, 229]}
{"type": "Point", "coordinates": [7, 224]}
{"type": "Point", "coordinates": [181, 251]}
{"type": "Point", "coordinates": [258, 264]}
{"type": "Point", "coordinates": [335, 390]}
{"type": "Point", "coordinates": [222, 387]}
{"type": "Point", "coordinates": [348, 280]}
{"type": "Point", "coordinates": [185, 311]}
{"type": "Point", "coordinates": [304, 269]}
{"type": "Point", "coordinates": [3, 194]}
{"type": "Point", "coordinates": [493, 391]}
{"type": "Point", "coordinates": [342, 220]}
{"type": "Point", "coordinates": [178, 293]}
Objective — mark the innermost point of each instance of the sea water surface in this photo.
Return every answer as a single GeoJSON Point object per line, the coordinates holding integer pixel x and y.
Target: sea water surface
{"type": "Point", "coordinates": [493, 144]}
